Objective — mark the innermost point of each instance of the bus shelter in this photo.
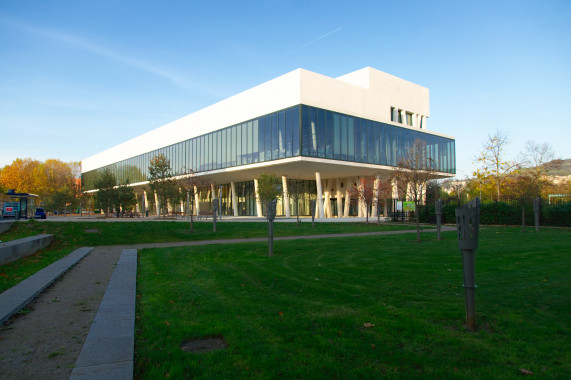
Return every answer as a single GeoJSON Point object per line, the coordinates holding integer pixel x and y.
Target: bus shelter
{"type": "Point", "coordinates": [18, 207]}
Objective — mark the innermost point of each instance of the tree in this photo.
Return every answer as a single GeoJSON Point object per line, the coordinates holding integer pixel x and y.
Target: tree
{"type": "Point", "coordinates": [412, 174]}
{"type": "Point", "coordinates": [365, 193]}
{"type": "Point", "coordinates": [22, 175]}
{"type": "Point", "coordinates": [384, 191]}
{"type": "Point", "coordinates": [295, 192]}
{"type": "Point", "coordinates": [493, 167]}
{"type": "Point", "coordinates": [59, 199]}
{"type": "Point", "coordinates": [126, 197]}
{"type": "Point", "coordinates": [106, 196]}
{"type": "Point", "coordinates": [536, 161]}
{"type": "Point", "coordinates": [524, 187]}
{"type": "Point", "coordinates": [191, 183]}
{"type": "Point", "coordinates": [162, 182]}
{"type": "Point", "coordinates": [269, 188]}
{"type": "Point", "coordinates": [41, 178]}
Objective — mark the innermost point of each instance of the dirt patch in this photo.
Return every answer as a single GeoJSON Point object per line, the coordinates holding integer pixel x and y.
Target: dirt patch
{"type": "Point", "coordinates": [205, 344]}
{"type": "Point", "coordinates": [92, 231]}
{"type": "Point", "coordinates": [45, 341]}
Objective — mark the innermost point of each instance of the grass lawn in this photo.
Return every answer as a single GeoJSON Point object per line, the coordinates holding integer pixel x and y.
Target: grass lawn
{"type": "Point", "coordinates": [71, 235]}
{"type": "Point", "coordinates": [354, 308]}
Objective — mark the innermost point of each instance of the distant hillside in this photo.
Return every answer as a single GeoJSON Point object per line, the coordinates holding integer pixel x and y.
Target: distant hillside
{"type": "Point", "coordinates": [560, 167]}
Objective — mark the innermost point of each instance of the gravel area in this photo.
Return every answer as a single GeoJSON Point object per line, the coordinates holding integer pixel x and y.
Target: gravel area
{"type": "Point", "coordinates": [45, 342]}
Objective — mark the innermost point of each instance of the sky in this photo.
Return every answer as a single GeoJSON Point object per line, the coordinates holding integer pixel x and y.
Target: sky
{"type": "Point", "coordinates": [78, 77]}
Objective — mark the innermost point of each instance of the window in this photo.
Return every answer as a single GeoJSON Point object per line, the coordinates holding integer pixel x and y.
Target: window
{"type": "Point", "coordinates": [409, 119]}
{"type": "Point", "coordinates": [394, 114]}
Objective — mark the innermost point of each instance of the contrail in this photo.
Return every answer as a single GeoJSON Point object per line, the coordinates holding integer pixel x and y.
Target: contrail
{"type": "Point", "coordinates": [317, 39]}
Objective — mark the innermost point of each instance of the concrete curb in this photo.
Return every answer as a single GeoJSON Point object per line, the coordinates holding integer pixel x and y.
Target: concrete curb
{"type": "Point", "coordinates": [5, 225]}
{"type": "Point", "coordinates": [109, 350]}
{"type": "Point", "coordinates": [16, 249]}
{"type": "Point", "coordinates": [17, 297]}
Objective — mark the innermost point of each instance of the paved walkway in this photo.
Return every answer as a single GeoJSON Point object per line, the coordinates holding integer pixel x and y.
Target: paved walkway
{"type": "Point", "coordinates": [108, 351]}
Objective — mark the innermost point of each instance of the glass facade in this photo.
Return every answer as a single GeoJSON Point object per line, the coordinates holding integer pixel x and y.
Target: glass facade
{"type": "Point", "coordinates": [299, 130]}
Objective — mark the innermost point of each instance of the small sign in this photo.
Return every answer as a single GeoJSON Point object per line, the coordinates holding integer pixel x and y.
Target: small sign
{"type": "Point", "coordinates": [408, 206]}
{"type": "Point", "coordinates": [11, 208]}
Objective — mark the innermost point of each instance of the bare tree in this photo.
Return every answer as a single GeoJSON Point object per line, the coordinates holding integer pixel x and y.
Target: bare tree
{"type": "Point", "coordinates": [536, 161]}
{"type": "Point", "coordinates": [493, 167]}
{"type": "Point", "coordinates": [192, 185]}
{"type": "Point", "coordinates": [413, 173]}
{"type": "Point", "coordinates": [384, 191]}
{"type": "Point", "coordinates": [365, 193]}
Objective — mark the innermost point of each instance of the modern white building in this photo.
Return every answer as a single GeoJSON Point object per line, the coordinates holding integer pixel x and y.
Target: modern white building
{"type": "Point", "coordinates": [302, 126]}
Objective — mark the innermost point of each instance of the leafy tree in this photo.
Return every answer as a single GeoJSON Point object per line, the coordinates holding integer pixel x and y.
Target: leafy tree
{"type": "Point", "coordinates": [269, 188]}
{"type": "Point", "coordinates": [126, 197]}
{"type": "Point", "coordinates": [60, 199]}
{"type": "Point", "coordinates": [192, 184]}
{"type": "Point", "coordinates": [162, 182]}
{"type": "Point", "coordinates": [295, 191]}
{"type": "Point", "coordinates": [493, 168]}
{"type": "Point", "coordinates": [413, 173]}
{"type": "Point", "coordinates": [106, 196]}
{"type": "Point", "coordinates": [21, 175]}
{"type": "Point", "coordinates": [433, 191]}
{"type": "Point", "coordinates": [41, 178]}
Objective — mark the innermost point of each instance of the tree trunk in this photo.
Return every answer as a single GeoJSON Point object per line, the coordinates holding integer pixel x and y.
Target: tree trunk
{"type": "Point", "coordinates": [522, 217]}
{"type": "Point", "coordinates": [191, 219]}
{"type": "Point", "coordinates": [417, 217]}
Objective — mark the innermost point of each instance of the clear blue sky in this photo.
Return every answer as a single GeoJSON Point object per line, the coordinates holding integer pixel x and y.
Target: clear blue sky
{"type": "Point", "coordinates": [78, 77]}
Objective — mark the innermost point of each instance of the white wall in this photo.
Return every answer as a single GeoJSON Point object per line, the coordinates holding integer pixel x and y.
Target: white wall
{"type": "Point", "coordinates": [367, 93]}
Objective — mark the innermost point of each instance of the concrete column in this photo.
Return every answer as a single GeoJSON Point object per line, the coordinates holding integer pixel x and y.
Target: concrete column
{"type": "Point", "coordinates": [348, 186]}
{"type": "Point", "coordinates": [408, 195]}
{"type": "Point", "coordinates": [196, 201]}
{"type": "Point", "coordinates": [157, 205]}
{"type": "Point", "coordinates": [145, 203]}
{"type": "Point", "coordinates": [327, 200]}
{"type": "Point", "coordinates": [258, 203]}
{"type": "Point", "coordinates": [424, 122]}
{"type": "Point", "coordinates": [234, 198]}
{"type": "Point", "coordinates": [286, 197]}
{"type": "Point", "coordinates": [395, 189]}
{"type": "Point", "coordinates": [339, 199]}
{"type": "Point", "coordinates": [320, 213]}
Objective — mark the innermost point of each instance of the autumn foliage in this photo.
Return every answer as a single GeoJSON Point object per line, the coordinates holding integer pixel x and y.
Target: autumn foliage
{"type": "Point", "coordinates": [53, 180]}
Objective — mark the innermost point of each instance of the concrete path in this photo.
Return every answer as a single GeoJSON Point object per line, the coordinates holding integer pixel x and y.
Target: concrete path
{"type": "Point", "coordinates": [280, 238]}
{"type": "Point", "coordinates": [109, 350]}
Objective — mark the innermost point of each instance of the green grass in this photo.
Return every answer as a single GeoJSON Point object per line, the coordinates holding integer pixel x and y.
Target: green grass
{"type": "Point", "coordinates": [301, 313]}
{"type": "Point", "coordinates": [71, 235]}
